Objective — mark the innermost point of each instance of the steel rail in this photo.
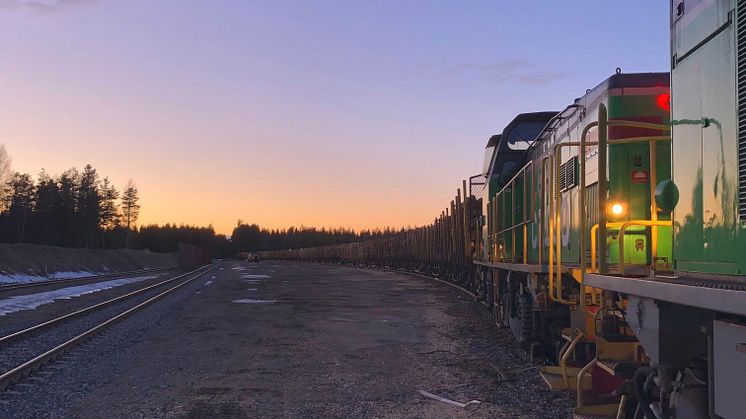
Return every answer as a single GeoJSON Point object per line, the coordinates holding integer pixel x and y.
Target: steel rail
{"type": "Point", "coordinates": [36, 284]}
{"type": "Point", "coordinates": [93, 307]}
{"type": "Point", "coordinates": [27, 367]}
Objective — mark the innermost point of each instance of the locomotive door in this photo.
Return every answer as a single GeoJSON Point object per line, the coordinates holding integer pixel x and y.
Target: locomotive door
{"type": "Point", "coordinates": [704, 138]}
{"type": "Point", "coordinates": [719, 153]}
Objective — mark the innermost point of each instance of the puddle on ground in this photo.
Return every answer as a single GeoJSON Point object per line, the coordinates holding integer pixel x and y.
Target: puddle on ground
{"type": "Point", "coordinates": [254, 276]}
{"type": "Point", "coordinates": [208, 282]}
{"type": "Point", "coordinates": [250, 301]}
{"type": "Point", "coordinates": [251, 289]}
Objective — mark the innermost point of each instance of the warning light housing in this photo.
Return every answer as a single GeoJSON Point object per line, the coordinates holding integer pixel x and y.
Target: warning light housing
{"type": "Point", "coordinates": [664, 101]}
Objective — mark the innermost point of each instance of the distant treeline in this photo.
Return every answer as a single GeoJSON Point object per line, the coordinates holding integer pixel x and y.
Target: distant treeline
{"type": "Point", "coordinates": [250, 237]}
{"type": "Point", "coordinates": [82, 209]}
{"type": "Point", "coordinates": [73, 209]}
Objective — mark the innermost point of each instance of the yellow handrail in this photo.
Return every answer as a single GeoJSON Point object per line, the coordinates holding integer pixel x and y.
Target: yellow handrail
{"type": "Point", "coordinates": [623, 228]}
{"type": "Point", "coordinates": [555, 285]}
{"type": "Point", "coordinates": [566, 354]}
{"type": "Point", "coordinates": [581, 374]}
{"type": "Point", "coordinates": [584, 210]}
{"type": "Point", "coordinates": [527, 203]}
{"type": "Point", "coordinates": [603, 123]}
{"type": "Point", "coordinates": [594, 228]}
{"type": "Point", "coordinates": [622, 225]}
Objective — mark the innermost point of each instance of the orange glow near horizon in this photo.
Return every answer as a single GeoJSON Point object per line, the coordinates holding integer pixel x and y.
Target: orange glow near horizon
{"type": "Point", "coordinates": [201, 185]}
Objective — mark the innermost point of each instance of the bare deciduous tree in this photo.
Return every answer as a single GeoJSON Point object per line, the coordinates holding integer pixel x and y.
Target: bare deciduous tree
{"type": "Point", "coordinates": [5, 171]}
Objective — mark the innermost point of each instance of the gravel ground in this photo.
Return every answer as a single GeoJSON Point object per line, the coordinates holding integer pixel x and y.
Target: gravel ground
{"type": "Point", "coordinates": [307, 341]}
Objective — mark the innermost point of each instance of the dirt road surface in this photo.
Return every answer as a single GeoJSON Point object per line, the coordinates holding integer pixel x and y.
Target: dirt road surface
{"type": "Point", "coordinates": [291, 340]}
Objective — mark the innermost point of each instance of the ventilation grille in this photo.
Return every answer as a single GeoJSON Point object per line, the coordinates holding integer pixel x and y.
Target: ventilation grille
{"type": "Point", "coordinates": [591, 203]}
{"type": "Point", "coordinates": [569, 174]}
{"type": "Point", "coordinates": [741, 70]}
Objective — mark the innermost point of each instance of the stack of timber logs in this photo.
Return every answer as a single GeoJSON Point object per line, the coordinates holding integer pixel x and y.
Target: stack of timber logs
{"type": "Point", "coordinates": [445, 248]}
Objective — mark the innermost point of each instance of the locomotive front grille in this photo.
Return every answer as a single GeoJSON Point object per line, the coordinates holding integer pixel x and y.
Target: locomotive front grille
{"type": "Point", "coordinates": [741, 91]}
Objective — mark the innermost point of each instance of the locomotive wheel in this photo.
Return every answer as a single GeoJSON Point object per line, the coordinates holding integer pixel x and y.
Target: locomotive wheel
{"type": "Point", "coordinates": [519, 316]}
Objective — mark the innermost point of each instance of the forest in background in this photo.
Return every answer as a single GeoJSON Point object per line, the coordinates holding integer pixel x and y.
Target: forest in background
{"type": "Point", "coordinates": [82, 209]}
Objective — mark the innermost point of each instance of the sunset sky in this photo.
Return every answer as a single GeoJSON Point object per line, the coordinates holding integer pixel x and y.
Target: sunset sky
{"type": "Point", "coordinates": [327, 113]}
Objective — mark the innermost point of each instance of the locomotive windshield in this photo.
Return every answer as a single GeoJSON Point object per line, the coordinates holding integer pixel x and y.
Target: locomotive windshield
{"type": "Point", "coordinates": [523, 135]}
{"type": "Point", "coordinates": [489, 153]}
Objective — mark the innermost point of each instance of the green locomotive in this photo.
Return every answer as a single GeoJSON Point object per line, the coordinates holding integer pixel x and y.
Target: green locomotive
{"type": "Point", "coordinates": [609, 237]}
{"type": "Point", "coordinates": [692, 324]}
{"type": "Point", "coordinates": [542, 222]}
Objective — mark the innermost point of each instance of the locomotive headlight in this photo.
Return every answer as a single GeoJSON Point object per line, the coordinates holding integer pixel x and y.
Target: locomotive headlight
{"type": "Point", "coordinates": [617, 209]}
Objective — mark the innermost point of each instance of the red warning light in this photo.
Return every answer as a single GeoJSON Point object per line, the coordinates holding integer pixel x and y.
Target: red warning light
{"type": "Point", "coordinates": [664, 101]}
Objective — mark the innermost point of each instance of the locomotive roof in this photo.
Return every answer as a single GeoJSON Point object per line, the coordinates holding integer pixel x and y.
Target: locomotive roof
{"type": "Point", "coordinates": [592, 96]}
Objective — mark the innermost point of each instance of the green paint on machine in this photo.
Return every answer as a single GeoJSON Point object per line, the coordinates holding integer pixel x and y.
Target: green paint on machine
{"type": "Point", "coordinates": [709, 234]}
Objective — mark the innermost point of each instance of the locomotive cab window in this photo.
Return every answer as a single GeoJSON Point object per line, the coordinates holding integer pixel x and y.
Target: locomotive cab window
{"type": "Point", "coordinates": [507, 171]}
{"type": "Point", "coordinates": [523, 136]}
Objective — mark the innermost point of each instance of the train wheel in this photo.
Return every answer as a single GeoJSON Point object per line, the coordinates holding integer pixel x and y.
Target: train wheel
{"type": "Point", "coordinates": [521, 317]}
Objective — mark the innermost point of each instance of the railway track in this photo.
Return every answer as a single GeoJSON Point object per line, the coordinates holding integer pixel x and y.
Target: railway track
{"type": "Point", "coordinates": [70, 281]}
{"type": "Point", "coordinates": [26, 350]}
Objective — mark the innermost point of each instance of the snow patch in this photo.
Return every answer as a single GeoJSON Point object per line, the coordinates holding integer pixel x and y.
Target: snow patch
{"type": "Point", "coordinates": [36, 278]}
{"type": "Point", "coordinates": [250, 301]}
{"type": "Point", "coordinates": [32, 301]}
{"type": "Point", "coordinates": [255, 276]}
{"type": "Point", "coordinates": [209, 282]}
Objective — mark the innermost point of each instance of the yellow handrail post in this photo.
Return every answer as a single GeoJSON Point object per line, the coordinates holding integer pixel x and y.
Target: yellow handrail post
{"type": "Point", "coordinates": [602, 184]}
{"type": "Point", "coordinates": [581, 374]}
{"type": "Point", "coordinates": [512, 220]}
{"type": "Point", "coordinates": [583, 212]}
{"type": "Point", "coordinates": [653, 207]}
{"type": "Point", "coordinates": [523, 218]}
{"type": "Point", "coordinates": [546, 211]}
{"type": "Point", "coordinates": [551, 231]}
{"type": "Point", "coordinates": [542, 211]}
{"type": "Point", "coordinates": [566, 355]}
{"type": "Point", "coordinates": [557, 216]}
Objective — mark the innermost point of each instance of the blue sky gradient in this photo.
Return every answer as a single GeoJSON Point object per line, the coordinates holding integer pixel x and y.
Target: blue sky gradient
{"type": "Point", "coordinates": [354, 113]}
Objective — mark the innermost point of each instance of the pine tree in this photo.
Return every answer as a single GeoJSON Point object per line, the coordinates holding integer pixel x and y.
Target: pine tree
{"type": "Point", "coordinates": [47, 207]}
{"type": "Point", "coordinates": [130, 208]}
{"type": "Point", "coordinates": [66, 215]}
{"type": "Point", "coordinates": [89, 202]}
{"type": "Point", "coordinates": [109, 211]}
{"type": "Point", "coordinates": [20, 202]}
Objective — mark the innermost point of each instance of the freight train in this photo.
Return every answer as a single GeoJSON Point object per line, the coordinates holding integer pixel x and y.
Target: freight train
{"type": "Point", "coordinates": [610, 237]}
